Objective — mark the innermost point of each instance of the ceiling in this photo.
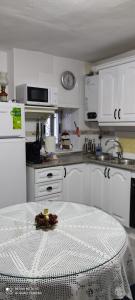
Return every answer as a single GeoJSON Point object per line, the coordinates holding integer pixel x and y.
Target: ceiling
{"type": "Point", "coordinates": [87, 30]}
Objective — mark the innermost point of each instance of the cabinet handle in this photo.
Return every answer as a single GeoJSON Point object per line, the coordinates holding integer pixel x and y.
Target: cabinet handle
{"type": "Point", "coordinates": [49, 188]}
{"type": "Point", "coordinates": [115, 113]}
{"type": "Point", "coordinates": [65, 172]}
{"type": "Point", "coordinates": [105, 172]}
{"type": "Point", "coordinates": [49, 175]}
{"type": "Point", "coordinates": [108, 173]}
{"type": "Point", "coordinates": [119, 113]}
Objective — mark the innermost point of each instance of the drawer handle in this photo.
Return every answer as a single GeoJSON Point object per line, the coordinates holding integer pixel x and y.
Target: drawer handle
{"type": "Point", "coordinates": [49, 188]}
{"type": "Point", "coordinates": [105, 172]}
{"type": "Point", "coordinates": [65, 172]}
{"type": "Point", "coordinates": [49, 175]}
{"type": "Point", "coordinates": [119, 113]}
{"type": "Point", "coordinates": [108, 173]}
{"type": "Point", "coordinates": [115, 113]}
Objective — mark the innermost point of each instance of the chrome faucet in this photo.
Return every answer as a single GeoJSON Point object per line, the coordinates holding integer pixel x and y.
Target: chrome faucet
{"type": "Point", "coordinates": [120, 153]}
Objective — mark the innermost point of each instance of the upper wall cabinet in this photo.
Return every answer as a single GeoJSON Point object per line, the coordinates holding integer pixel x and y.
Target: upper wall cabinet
{"type": "Point", "coordinates": [108, 89]}
{"type": "Point", "coordinates": [127, 92]}
{"type": "Point", "coordinates": [117, 95]}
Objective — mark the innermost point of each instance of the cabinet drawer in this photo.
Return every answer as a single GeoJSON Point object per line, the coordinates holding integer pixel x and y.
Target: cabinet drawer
{"type": "Point", "coordinates": [48, 188]}
{"type": "Point", "coordinates": [53, 197]}
{"type": "Point", "coordinates": [47, 174]}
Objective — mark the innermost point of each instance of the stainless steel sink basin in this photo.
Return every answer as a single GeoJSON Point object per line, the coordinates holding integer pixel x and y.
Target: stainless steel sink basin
{"type": "Point", "coordinates": [104, 157]}
{"type": "Point", "coordinates": [123, 161]}
{"type": "Point", "coordinates": [107, 157]}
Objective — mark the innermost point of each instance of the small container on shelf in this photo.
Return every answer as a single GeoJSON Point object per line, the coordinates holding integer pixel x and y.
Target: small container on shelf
{"type": "Point", "coordinates": [3, 94]}
{"type": "Point", "coordinates": [3, 84]}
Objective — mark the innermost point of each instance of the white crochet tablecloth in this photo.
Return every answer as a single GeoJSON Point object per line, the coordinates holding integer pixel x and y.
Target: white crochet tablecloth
{"type": "Point", "coordinates": [86, 256]}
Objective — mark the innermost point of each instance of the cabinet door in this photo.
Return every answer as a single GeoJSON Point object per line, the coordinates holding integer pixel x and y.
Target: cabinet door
{"type": "Point", "coordinates": [120, 194]}
{"type": "Point", "coordinates": [53, 197]}
{"type": "Point", "coordinates": [108, 87]}
{"type": "Point", "coordinates": [127, 92]}
{"type": "Point", "coordinates": [75, 187]}
{"type": "Point", "coordinates": [99, 187]}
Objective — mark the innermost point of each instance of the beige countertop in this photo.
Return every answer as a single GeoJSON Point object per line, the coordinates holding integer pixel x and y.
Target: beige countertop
{"type": "Point", "coordinates": [78, 158]}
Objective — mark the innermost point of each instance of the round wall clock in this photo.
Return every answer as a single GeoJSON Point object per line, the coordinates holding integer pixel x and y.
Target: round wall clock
{"type": "Point", "coordinates": [68, 80]}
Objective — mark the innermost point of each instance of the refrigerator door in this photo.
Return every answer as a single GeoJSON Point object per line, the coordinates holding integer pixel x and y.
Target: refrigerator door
{"type": "Point", "coordinates": [12, 120]}
{"type": "Point", "coordinates": [12, 172]}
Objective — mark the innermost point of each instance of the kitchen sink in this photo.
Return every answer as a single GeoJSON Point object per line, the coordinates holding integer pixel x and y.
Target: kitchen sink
{"type": "Point", "coordinates": [107, 157]}
{"type": "Point", "coordinates": [123, 161]}
{"type": "Point", "coordinates": [104, 157]}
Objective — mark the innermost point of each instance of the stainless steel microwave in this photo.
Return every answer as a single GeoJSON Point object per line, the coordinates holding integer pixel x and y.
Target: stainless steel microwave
{"type": "Point", "coordinates": [31, 95]}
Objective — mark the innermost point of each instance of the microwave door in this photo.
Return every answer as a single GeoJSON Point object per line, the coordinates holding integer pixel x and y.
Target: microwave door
{"type": "Point", "coordinates": [37, 96]}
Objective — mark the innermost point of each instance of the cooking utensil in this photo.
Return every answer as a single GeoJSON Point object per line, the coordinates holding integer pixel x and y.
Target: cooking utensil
{"type": "Point", "coordinates": [44, 131]}
{"type": "Point", "coordinates": [37, 132]}
{"type": "Point", "coordinates": [41, 134]}
{"type": "Point", "coordinates": [77, 131]}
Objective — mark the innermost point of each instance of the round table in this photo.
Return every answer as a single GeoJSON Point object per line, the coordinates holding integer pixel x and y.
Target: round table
{"type": "Point", "coordinates": [86, 256]}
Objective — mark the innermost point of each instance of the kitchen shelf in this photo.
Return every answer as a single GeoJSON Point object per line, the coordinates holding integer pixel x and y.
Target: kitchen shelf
{"type": "Point", "coordinates": [39, 111]}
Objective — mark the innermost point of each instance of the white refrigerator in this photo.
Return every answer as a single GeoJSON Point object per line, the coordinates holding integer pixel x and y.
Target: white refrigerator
{"type": "Point", "coordinates": [12, 154]}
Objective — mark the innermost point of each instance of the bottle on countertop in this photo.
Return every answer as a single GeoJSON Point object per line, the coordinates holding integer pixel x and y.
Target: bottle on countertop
{"type": "Point", "coordinates": [93, 146]}
{"type": "Point", "coordinates": [85, 145]}
{"type": "Point", "coordinates": [99, 147]}
{"type": "Point", "coordinates": [90, 146]}
{"type": "Point", "coordinates": [98, 150]}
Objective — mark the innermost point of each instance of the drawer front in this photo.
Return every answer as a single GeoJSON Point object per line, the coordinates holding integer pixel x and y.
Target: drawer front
{"type": "Point", "coordinates": [48, 188]}
{"type": "Point", "coordinates": [53, 197]}
{"type": "Point", "coordinates": [47, 174]}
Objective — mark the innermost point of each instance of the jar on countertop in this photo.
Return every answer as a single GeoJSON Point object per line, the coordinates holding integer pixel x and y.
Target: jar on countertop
{"type": "Point", "coordinates": [65, 141]}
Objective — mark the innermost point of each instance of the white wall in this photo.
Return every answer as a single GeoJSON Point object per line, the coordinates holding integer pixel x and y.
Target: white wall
{"type": "Point", "coordinates": [3, 64]}
{"type": "Point", "coordinates": [42, 69]}
{"type": "Point", "coordinates": [3, 61]}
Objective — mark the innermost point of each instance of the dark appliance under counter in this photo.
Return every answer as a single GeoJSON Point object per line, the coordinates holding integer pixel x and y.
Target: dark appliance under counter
{"type": "Point", "coordinates": [132, 203]}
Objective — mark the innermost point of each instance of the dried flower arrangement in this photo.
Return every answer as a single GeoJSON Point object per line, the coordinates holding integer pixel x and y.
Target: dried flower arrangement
{"type": "Point", "coordinates": [45, 220]}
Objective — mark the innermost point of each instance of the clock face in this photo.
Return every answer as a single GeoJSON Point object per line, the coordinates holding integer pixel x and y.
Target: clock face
{"type": "Point", "coordinates": [68, 80]}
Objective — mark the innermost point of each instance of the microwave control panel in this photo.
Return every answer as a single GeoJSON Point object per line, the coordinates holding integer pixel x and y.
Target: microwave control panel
{"type": "Point", "coordinates": [91, 98]}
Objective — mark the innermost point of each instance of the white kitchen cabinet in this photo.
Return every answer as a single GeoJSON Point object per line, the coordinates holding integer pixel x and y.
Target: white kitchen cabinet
{"type": "Point", "coordinates": [120, 194]}
{"type": "Point", "coordinates": [99, 187]}
{"type": "Point", "coordinates": [51, 197]}
{"type": "Point", "coordinates": [127, 92]}
{"type": "Point", "coordinates": [117, 95]}
{"type": "Point", "coordinates": [44, 183]}
{"type": "Point", "coordinates": [75, 184]}
{"type": "Point", "coordinates": [110, 191]}
{"type": "Point", "coordinates": [96, 176]}
{"type": "Point", "coordinates": [108, 88]}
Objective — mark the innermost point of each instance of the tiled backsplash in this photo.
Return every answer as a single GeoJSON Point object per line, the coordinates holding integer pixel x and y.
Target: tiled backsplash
{"type": "Point", "coordinates": [128, 144]}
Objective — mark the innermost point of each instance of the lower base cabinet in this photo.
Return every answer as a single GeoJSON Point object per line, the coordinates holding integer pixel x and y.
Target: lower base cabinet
{"type": "Point", "coordinates": [110, 191]}
{"type": "Point", "coordinates": [104, 187]}
{"type": "Point", "coordinates": [54, 197]}
{"type": "Point", "coordinates": [44, 183]}
{"type": "Point", "coordinates": [120, 195]}
{"type": "Point", "coordinates": [75, 183]}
